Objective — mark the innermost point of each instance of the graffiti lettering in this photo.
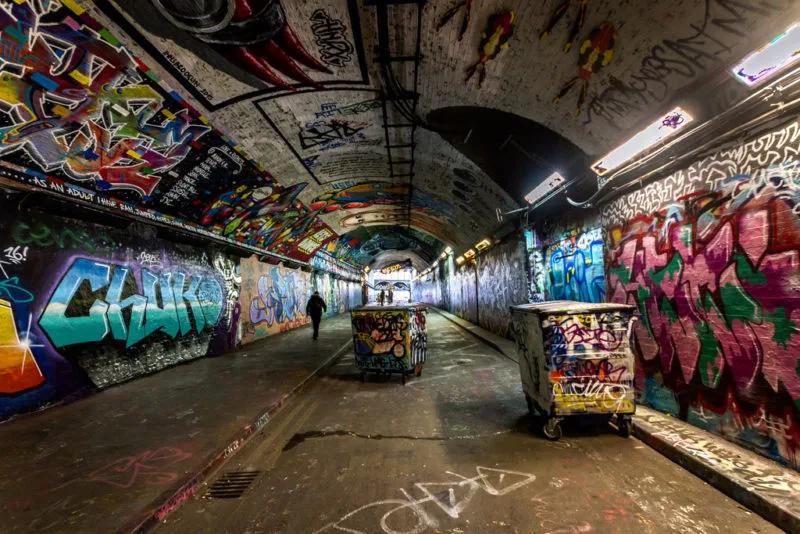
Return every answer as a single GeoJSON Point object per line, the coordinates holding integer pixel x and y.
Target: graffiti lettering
{"type": "Point", "coordinates": [281, 299]}
{"type": "Point", "coordinates": [331, 134]}
{"type": "Point", "coordinates": [684, 57]}
{"type": "Point", "coordinates": [575, 268]}
{"type": "Point", "coordinates": [330, 38]}
{"type": "Point", "coordinates": [177, 293]}
{"type": "Point", "coordinates": [452, 497]}
{"type": "Point", "coordinates": [146, 467]}
{"type": "Point", "coordinates": [16, 255]}
{"type": "Point", "coordinates": [711, 261]}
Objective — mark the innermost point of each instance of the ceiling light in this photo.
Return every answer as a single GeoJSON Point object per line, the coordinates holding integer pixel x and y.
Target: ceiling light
{"type": "Point", "coordinates": [483, 245]}
{"type": "Point", "coordinates": [544, 187]}
{"type": "Point", "coordinates": [443, 255]}
{"type": "Point", "coordinates": [470, 253]}
{"type": "Point", "coordinates": [654, 133]}
{"type": "Point", "coordinates": [770, 59]}
{"type": "Point", "coordinates": [460, 260]}
{"type": "Point", "coordinates": [366, 269]}
{"type": "Point", "coordinates": [448, 250]}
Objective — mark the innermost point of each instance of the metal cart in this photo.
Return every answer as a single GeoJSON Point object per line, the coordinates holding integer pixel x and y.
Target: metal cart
{"type": "Point", "coordinates": [390, 339]}
{"type": "Point", "coordinates": [576, 358]}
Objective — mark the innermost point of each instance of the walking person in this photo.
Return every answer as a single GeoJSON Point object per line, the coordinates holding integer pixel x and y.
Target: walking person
{"type": "Point", "coordinates": [381, 296]}
{"type": "Point", "coordinates": [391, 295]}
{"type": "Point", "coordinates": [314, 309]}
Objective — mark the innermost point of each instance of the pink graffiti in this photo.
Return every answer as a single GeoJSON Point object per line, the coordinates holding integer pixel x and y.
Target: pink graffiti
{"type": "Point", "coordinates": [147, 467]}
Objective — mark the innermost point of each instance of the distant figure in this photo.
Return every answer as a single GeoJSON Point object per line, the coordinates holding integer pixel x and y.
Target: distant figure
{"type": "Point", "coordinates": [364, 295]}
{"type": "Point", "coordinates": [391, 295]}
{"type": "Point", "coordinates": [314, 309]}
{"type": "Point", "coordinates": [381, 296]}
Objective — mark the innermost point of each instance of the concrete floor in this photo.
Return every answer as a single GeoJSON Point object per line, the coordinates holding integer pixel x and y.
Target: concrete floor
{"type": "Point", "coordinates": [452, 451]}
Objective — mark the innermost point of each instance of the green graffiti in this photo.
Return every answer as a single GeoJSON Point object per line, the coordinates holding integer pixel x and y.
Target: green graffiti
{"type": "Point", "coordinates": [673, 269]}
{"type": "Point", "coordinates": [744, 272]}
{"type": "Point", "coordinates": [738, 305]}
{"type": "Point", "coordinates": [622, 272]}
{"type": "Point", "coordinates": [667, 309]}
{"type": "Point", "coordinates": [709, 351]}
{"type": "Point", "coordinates": [784, 328]}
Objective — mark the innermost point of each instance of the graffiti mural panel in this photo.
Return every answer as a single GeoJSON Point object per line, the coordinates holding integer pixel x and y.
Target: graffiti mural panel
{"type": "Point", "coordinates": [273, 297]}
{"type": "Point", "coordinates": [711, 257]}
{"type": "Point", "coordinates": [81, 314]}
{"type": "Point", "coordinates": [84, 118]}
{"type": "Point", "coordinates": [502, 282]}
{"type": "Point", "coordinates": [574, 267]}
{"type": "Point", "coordinates": [336, 135]}
{"type": "Point", "coordinates": [224, 52]}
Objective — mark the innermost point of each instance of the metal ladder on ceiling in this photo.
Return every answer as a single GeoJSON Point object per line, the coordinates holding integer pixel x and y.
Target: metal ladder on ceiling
{"type": "Point", "coordinates": [403, 102]}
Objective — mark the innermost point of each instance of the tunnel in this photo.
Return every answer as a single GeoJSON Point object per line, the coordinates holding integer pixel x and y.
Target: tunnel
{"type": "Point", "coordinates": [399, 266]}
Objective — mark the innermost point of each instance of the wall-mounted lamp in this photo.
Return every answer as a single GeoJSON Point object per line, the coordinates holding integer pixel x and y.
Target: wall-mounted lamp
{"type": "Point", "coordinates": [675, 120]}
{"type": "Point", "coordinates": [443, 255]}
{"type": "Point", "coordinates": [469, 254]}
{"type": "Point", "coordinates": [483, 245]}
{"type": "Point", "coordinates": [770, 59]}
{"type": "Point", "coordinates": [448, 250]}
{"type": "Point", "coordinates": [460, 260]}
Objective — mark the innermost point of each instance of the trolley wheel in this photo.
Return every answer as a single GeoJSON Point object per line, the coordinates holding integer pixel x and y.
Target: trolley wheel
{"type": "Point", "coordinates": [552, 429]}
{"type": "Point", "coordinates": [404, 378]}
{"type": "Point", "coordinates": [624, 426]}
{"type": "Point", "coordinates": [529, 402]}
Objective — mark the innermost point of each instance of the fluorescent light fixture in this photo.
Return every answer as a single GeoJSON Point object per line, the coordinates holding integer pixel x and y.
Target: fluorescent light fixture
{"type": "Point", "coordinates": [435, 264]}
{"type": "Point", "coordinates": [366, 269]}
{"type": "Point", "coordinates": [659, 130]}
{"type": "Point", "coordinates": [448, 250]}
{"type": "Point", "coordinates": [483, 245]}
{"type": "Point", "coordinates": [546, 185]}
{"type": "Point", "coordinates": [443, 255]}
{"type": "Point", "coordinates": [460, 260]}
{"type": "Point", "coordinates": [770, 59]}
{"type": "Point", "coordinates": [470, 253]}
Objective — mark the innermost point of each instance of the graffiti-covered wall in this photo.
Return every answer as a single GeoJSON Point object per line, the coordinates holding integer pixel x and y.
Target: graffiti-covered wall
{"type": "Point", "coordinates": [711, 257]}
{"type": "Point", "coordinates": [273, 297]}
{"type": "Point", "coordinates": [480, 291]}
{"type": "Point", "coordinates": [84, 307]}
{"type": "Point", "coordinates": [574, 267]}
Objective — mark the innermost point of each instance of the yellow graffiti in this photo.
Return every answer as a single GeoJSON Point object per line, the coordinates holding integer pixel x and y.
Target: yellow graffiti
{"type": "Point", "coordinates": [18, 368]}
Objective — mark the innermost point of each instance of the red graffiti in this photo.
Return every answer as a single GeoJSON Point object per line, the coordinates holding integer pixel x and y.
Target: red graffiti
{"type": "Point", "coordinates": [147, 467]}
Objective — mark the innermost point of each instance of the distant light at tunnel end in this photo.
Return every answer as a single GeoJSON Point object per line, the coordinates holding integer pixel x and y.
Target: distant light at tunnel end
{"type": "Point", "coordinates": [656, 132]}
{"type": "Point", "coordinates": [770, 59]}
{"type": "Point", "coordinates": [544, 187]}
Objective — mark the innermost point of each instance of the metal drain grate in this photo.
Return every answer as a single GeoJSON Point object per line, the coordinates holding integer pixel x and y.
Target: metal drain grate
{"type": "Point", "coordinates": [231, 485]}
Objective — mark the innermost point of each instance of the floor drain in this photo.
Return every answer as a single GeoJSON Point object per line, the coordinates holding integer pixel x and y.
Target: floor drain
{"type": "Point", "coordinates": [231, 485]}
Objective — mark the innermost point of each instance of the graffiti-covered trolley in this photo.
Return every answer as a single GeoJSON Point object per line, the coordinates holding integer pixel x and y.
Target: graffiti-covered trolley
{"type": "Point", "coordinates": [575, 358]}
{"type": "Point", "coordinates": [390, 340]}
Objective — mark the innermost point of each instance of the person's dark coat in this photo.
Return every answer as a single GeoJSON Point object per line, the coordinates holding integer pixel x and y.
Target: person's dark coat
{"type": "Point", "coordinates": [315, 307]}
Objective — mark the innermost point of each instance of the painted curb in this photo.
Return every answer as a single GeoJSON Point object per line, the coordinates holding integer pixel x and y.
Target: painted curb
{"type": "Point", "coordinates": [471, 330]}
{"type": "Point", "coordinates": [717, 478]}
{"type": "Point", "coordinates": [172, 499]}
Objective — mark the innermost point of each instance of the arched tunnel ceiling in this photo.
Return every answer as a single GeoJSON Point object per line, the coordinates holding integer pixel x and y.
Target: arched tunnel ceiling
{"type": "Point", "coordinates": [261, 121]}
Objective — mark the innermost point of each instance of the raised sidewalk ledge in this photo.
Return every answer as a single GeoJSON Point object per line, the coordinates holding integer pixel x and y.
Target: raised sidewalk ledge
{"type": "Point", "coordinates": [502, 345]}
{"type": "Point", "coordinates": [760, 484]}
{"type": "Point", "coordinates": [123, 459]}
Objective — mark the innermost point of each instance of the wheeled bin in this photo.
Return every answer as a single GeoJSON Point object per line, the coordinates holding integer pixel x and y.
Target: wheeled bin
{"type": "Point", "coordinates": [390, 339]}
{"type": "Point", "coordinates": [575, 358]}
